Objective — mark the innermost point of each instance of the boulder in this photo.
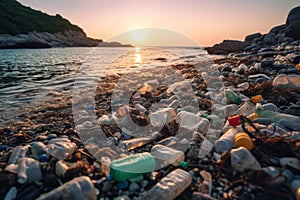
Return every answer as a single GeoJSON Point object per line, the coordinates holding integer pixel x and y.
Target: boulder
{"type": "Point", "coordinates": [278, 29]}
{"type": "Point", "coordinates": [292, 28]}
{"type": "Point", "coordinates": [269, 38]}
{"type": "Point", "coordinates": [251, 37]}
{"type": "Point", "coordinates": [227, 46]}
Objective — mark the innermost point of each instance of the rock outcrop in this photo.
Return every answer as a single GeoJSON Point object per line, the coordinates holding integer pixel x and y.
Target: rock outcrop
{"type": "Point", "coordinates": [293, 24]}
{"type": "Point", "coordinates": [48, 40]}
{"type": "Point", "coordinates": [227, 46]}
{"type": "Point", "coordinates": [281, 34]}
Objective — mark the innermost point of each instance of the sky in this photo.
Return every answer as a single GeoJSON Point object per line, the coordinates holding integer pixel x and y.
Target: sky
{"type": "Point", "coordinates": [206, 22]}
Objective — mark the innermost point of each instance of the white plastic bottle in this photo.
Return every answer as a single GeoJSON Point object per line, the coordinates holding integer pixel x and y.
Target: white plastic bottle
{"type": "Point", "coordinates": [60, 148]}
{"type": "Point", "coordinates": [170, 186]}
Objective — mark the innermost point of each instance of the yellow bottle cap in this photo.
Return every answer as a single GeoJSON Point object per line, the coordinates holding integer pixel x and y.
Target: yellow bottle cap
{"type": "Point", "coordinates": [256, 99]}
{"type": "Point", "coordinates": [242, 139]}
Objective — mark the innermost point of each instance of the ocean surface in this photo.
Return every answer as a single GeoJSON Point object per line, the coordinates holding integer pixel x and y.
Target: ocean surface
{"type": "Point", "coordinates": [28, 76]}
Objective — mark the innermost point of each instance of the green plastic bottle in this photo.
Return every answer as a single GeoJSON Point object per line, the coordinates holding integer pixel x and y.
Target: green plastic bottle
{"type": "Point", "coordinates": [132, 166]}
{"type": "Point", "coordinates": [232, 97]}
{"type": "Point", "coordinates": [289, 121]}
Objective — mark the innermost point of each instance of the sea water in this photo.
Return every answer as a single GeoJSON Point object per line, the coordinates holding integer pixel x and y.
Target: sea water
{"type": "Point", "coordinates": [28, 76]}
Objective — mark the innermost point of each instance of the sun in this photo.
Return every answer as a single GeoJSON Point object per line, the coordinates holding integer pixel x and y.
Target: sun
{"type": "Point", "coordinates": [138, 37]}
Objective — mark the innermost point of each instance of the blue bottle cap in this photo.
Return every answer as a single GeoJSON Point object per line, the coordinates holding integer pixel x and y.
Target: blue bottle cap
{"type": "Point", "coordinates": [43, 157]}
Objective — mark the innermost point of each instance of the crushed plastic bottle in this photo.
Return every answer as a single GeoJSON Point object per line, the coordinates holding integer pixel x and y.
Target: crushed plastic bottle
{"type": "Point", "coordinates": [28, 170]}
{"type": "Point", "coordinates": [39, 151]}
{"type": "Point", "coordinates": [162, 116]}
{"type": "Point", "coordinates": [132, 166]}
{"type": "Point", "coordinates": [60, 148]}
{"type": "Point", "coordinates": [242, 160]}
{"type": "Point", "coordinates": [170, 186]}
{"type": "Point", "coordinates": [77, 189]}
{"type": "Point", "coordinates": [289, 121]}
{"type": "Point", "coordinates": [166, 155]}
{"type": "Point", "coordinates": [191, 121]}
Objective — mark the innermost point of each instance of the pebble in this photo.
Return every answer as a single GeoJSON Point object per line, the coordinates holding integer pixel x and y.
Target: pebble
{"type": "Point", "coordinates": [133, 187]}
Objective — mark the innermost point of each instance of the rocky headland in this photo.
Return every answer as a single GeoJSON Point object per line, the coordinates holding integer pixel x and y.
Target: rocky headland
{"type": "Point", "coordinates": [23, 27]}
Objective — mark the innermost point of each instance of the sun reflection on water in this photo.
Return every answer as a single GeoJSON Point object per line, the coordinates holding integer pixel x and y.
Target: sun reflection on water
{"type": "Point", "coordinates": [137, 56]}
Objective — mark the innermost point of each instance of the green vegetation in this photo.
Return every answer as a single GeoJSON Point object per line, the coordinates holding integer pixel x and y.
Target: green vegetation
{"type": "Point", "coordinates": [16, 19]}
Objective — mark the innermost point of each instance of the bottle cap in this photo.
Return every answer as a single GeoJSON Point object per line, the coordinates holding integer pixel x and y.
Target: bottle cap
{"type": "Point", "coordinates": [184, 164]}
{"type": "Point", "coordinates": [298, 67]}
{"type": "Point", "coordinates": [43, 157]}
{"type": "Point", "coordinates": [242, 139]}
{"type": "Point", "coordinates": [205, 115]}
{"type": "Point", "coordinates": [257, 99]}
{"type": "Point", "coordinates": [253, 116]}
{"type": "Point", "coordinates": [234, 120]}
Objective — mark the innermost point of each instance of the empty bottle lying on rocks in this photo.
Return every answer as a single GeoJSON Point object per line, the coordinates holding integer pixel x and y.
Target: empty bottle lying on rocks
{"type": "Point", "coordinates": [170, 186]}
{"type": "Point", "coordinates": [77, 189]}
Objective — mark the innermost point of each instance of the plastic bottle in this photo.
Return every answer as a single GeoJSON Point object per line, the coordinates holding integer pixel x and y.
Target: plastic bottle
{"type": "Point", "coordinates": [242, 160]}
{"type": "Point", "coordinates": [39, 151]}
{"type": "Point", "coordinates": [141, 108]}
{"type": "Point", "coordinates": [289, 121]}
{"type": "Point", "coordinates": [105, 165]}
{"type": "Point", "coordinates": [169, 141]}
{"type": "Point", "coordinates": [134, 143]}
{"type": "Point", "coordinates": [60, 148]}
{"type": "Point", "coordinates": [242, 139]}
{"type": "Point", "coordinates": [165, 156]}
{"type": "Point", "coordinates": [226, 141]}
{"type": "Point", "coordinates": [170, 186]}
{"type": "Point", "coordinates": [174, 104]}
{"type": "Point", "coordinates": [28, 170]}
{"type": "Point", "coordinates": [232, 97]}
{"type": "Point", "coordinates": [132, 166]}
{"type": "Point", "coordinates": [245, 109]}
{"type": "Point", "coordinates": [77, 189]}
{"type": "Point", "coordinates": [162, 116]}
{"type": "Point", "coordinates": [244, 85]}
{"type": "Point", "coordinates": [18, 152]}
{"type": "Point", "coordinates": [187, 120]}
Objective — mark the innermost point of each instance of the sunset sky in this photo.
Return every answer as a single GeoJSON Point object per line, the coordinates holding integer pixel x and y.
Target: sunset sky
{"type": "Point", "coordinates": [205, 21]}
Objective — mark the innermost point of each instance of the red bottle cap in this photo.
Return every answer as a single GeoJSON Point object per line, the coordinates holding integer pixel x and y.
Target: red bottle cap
{"type": "Point", "coordinates": [234, 120]}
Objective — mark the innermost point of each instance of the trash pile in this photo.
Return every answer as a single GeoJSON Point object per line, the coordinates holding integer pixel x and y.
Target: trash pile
{"type": "Point", "coordinates": [174, 139]}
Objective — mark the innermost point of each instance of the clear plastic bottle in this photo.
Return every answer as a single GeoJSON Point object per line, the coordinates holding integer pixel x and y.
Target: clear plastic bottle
{"type": "Point", "coordinates": [170, 186]}
{"type": "Point", "coordinates": [289, 121]}
{"type": "Point", "coordinates": [18, 152]}
{"type": "Point", "coordinates": [226, 141]}
{"type": "Point", "coordinates": [132, 166]}
{"type": "Point", "coordinates": [162, 116]}
{"type": "Point", "coordinates": [187, 120]}
{"type": "Point", "coordinates": [165, 156]}
{"type": "Point", "coordinates": [134, 143]}
{"type": "Point", "coordinates": [28, 170]}
{"type": "Point", "coordinates": [60, 148]}
{"type": "Point", "coordinates": [242, 160]}
{"type": "Point", "coordinates": [39, 151]}
{"type": "Point", "coordinates": [141, 108]}
{"type": "Point", "coordinates": [77, 189]}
